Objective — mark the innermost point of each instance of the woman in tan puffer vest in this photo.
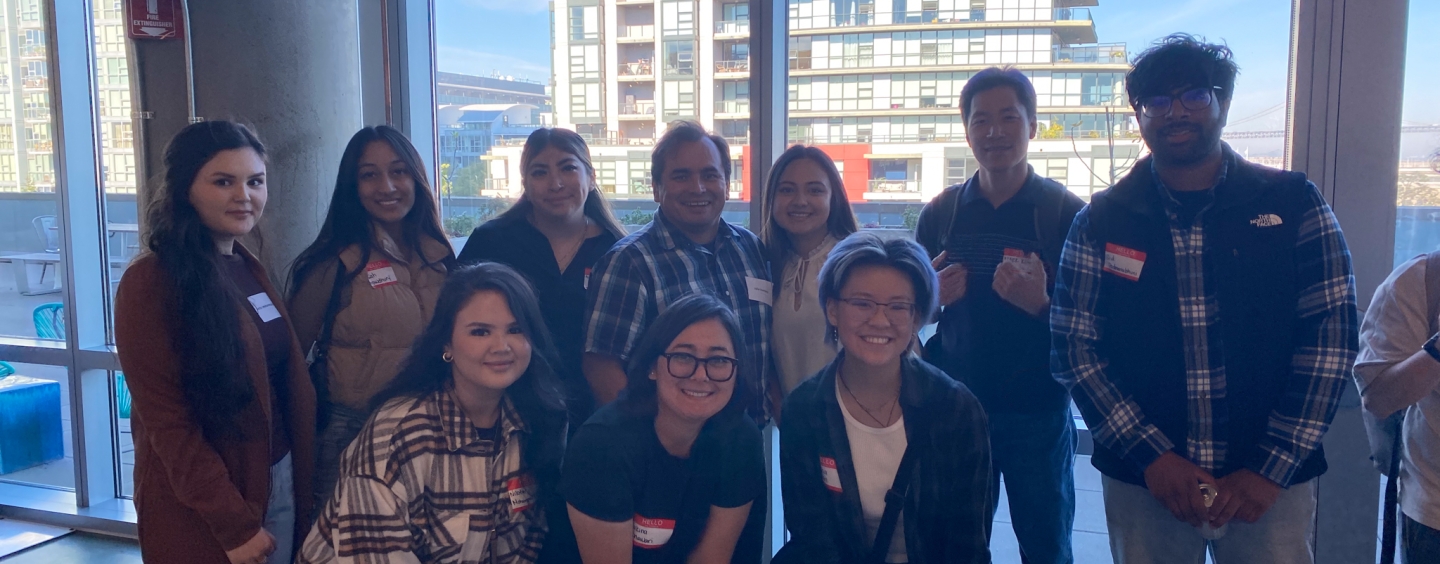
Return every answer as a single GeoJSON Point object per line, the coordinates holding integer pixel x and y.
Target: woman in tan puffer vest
{"type": "Point", "coordinates": [383, 230]}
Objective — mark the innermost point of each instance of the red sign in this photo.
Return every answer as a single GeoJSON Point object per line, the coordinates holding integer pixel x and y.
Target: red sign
{"type": "Point", "coordinates": [154, 19]}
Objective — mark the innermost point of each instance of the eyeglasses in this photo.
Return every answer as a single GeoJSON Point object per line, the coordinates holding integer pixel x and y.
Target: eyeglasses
{"type": "Point", "coordinates": [899, 313]}
{"type": "Point", "coordinates": [684, 365]}
{"type": "Point", "coordinates": [1160, 105]}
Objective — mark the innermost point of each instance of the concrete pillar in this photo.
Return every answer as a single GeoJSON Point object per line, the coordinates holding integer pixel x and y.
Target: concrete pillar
{"type": "Point", "coordinates": [289, 69]}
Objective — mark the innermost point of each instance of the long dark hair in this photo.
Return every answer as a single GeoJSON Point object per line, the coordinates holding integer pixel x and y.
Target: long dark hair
{"type": "Point", "coordinates": [538, 395]}
{"type": "Point", "coordinates": [841, 221]}
{"type": "Point", "coordinates": [347, 223]}
{"type": "Point", "coordinates": [596, 208]}
{"type": "Point", "coordinates": [212, 355]}
{"type": "Point", "coordinates": [639, 394]}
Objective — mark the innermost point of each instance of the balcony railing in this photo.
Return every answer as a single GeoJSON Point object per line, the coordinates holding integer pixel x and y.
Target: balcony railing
{"type": "Point", "coordinates": [901, 186]}
{"type": "Point", "coordinates": [641, 67]}
{"type": "Point", "coordinates": [915, 17]}
{"type": "Point", "coordinates": [732, 27]}
{"type": "Point", "coordinates": [680, 68]}
{"type": "Point", "coordinates": [732, 106]}
{"type": "Point", "coordinates": [638, 108]}
{"type": "Point", "coordinates": [733, 65]}
{"type": "Point", "coordinates": [638, 32]}
{"type": "Point", "coordinates": [1104, 53]}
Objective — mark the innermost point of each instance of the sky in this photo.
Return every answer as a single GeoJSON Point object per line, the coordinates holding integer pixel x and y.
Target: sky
{"type": "Point", "coordinates": [512, 37]}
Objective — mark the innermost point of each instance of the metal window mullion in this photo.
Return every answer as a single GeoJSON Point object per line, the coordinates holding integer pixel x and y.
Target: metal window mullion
{"type": "Point", "coordinates": [81, 218]}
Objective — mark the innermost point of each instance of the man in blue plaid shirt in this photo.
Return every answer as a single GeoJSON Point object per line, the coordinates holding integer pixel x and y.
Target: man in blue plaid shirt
{"type": "Point", "coordinates": [688, 248]}
{"type": "Point", "coordinates": [1204, 318]}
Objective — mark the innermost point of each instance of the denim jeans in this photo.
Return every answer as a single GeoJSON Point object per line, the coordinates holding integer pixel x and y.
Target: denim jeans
{"type": "Point", "coordinates": [1142, 531]}
{"type": "Point", "coordinates": [339, 429]}
{"type": "Point", "coordinates": [1418, 543]}
{"type": "Point", "coordinates": [1035, 453]}
{"type": "Point", "coordinates": [280, 513]}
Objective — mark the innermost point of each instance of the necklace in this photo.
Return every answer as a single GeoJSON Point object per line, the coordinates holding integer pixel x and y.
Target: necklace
{"type": "Point", "coordinates": [563, 261]}
{"type": "Point", "coordinates": [888, 416]}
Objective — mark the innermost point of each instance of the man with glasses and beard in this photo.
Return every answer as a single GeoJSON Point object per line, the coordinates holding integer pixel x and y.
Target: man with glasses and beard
{"type": "Point", "coordinates": [1204, 318]}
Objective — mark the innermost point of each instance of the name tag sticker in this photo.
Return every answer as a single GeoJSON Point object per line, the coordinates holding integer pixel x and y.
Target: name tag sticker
{"type": "Point", "coordinates": [652, 533]}
{"type": "Point", "coordinates": [380, 274]}
{"type": "Point", "coordinates": [759, 290]}
{"type": "Point", "coordinates": [263, 307]}
{"type": "Point", "coordinates": [521, 492]}
{"type": "Point", "coordinates": [1124, 261]}
{"type": "Point", "coordinates": [830, 474]}
{"type": "Point", "coordinates": [587, 278]}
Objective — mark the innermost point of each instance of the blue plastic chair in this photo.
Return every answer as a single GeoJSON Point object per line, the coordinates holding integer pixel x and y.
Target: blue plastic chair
{"type": "Point", "coordinates": [50, 324]}
{"type": "Point", "coordinates": [50, 321]}
{"type": "Point", "coordinates": [6, 369]}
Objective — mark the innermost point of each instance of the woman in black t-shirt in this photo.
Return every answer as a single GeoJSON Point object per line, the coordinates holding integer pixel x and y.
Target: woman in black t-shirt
{"type": "Point", "coordinates": [672, 470]}
{"type": "Point", "coordinates": [553, 235]}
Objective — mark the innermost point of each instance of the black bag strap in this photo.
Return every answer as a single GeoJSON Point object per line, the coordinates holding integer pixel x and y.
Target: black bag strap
{"type": "Point", "coordinates": [1392, 501]}
{"type": "Point", "coordinates": [894, 502]}
{"type": "Point", "coordinates": [320, 349]}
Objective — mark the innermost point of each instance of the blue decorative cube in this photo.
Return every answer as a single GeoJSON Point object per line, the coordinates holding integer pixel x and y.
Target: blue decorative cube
{"type": "Point", "coordinates": [30, 425]}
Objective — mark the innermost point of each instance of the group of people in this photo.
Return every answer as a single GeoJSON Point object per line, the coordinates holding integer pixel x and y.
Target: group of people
{"type": "Point", "coordinates": [562, 391]}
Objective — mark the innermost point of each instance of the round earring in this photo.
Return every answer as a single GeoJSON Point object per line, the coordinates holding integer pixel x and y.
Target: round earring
{"type": "Point", "coordinates": [447, 357]}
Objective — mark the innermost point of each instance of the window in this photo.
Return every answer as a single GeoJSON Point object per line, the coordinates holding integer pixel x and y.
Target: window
{"type": "Point", "coordinates": [679, 100]}
{"type": "Point", "coordinates": [679, 58]}
{"type": "Point", "coordinates": [640, 175]}
{"type": "Point", "coordinates": [585, 101]}
{"type": "Point", "coordinates": [584, 23]}
{"type": "Point", "coordinates": [585, 62]}
{"type": "Point", "coordinates": [678, 18]}
{"type": "Point", "coordinates": [1417, 220]}
{"type": "Point", "coordinates": [732, 97]}
{"type": "Point", "coordinates": [605, 174]}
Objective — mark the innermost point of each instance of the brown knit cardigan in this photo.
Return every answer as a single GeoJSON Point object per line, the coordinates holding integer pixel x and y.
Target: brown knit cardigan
{"type": "Point", "coordinates": [195, 498]}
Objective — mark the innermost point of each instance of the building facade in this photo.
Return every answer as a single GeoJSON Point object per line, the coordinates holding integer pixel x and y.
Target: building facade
{"type": "Point", "coordinates": [875, 83]}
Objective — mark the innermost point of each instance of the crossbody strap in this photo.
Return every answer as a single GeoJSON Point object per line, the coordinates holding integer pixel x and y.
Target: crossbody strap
{"type": "Point", "coordinates": [894, 502]}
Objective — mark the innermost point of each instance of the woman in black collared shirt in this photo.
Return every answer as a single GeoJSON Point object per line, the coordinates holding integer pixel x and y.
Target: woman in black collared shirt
{"type": "Point", "coordinates": [553, 235]}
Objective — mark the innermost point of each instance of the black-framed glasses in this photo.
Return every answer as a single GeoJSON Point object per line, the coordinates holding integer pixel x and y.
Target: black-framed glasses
{"type": "Point", "coordinates": [684, 365]}
{"type": "Point", "coordinates": [1194, 99]}
{"type": "Point", "coordinates": [899, 313]}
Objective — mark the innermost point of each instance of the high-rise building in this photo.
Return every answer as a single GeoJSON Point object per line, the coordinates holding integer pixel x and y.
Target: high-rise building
{"type": "Point", "coordinates": [27, 146]}
{"type": "Point", "coordinates": [876, 83]}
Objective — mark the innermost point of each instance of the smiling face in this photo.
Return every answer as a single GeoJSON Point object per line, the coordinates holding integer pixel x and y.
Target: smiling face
{"type": "Point", "coordinates": [386, 183]}
{"type": "Point", "coordinates": [556, 183]}
{"type": "Point", "coordinates": [229, 193]}
{"type": "Point", "coordinates": [802, 200]}
{"type": "Point", "coordinates": [999, 129]}
{"type": "Point", "coordinates": [1185, 136]}
{"type": "Point", "coordinates": [880, 336]}
{"type": "Point", "coordinates": [696, 398]}
{"type": "Point", "coordinates": [490, 350]}
{"type": "Point", "coordinates": [693, 187]}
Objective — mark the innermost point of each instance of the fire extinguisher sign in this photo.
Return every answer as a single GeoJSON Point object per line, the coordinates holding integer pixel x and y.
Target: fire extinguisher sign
{"type": "Point", "coordinates": [153, 19]}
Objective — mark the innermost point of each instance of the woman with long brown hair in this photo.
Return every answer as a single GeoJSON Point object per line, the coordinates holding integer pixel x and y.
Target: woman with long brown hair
{"type": "Point", "coordinates": [368, 284]}
{"type": "Point", "coordinates": [224, 412]}
{"type": "Point", "coordinates": [553, 235]}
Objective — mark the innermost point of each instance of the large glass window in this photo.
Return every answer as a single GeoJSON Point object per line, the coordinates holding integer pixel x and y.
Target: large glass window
{"type": "Point", "coordinates": [854, 80]}
{"type": "Point", "coordinates": [1417, 220]}
{"type": "Point", "coordinates": [39, 447]}
{"type": "Point", "coordinates": [31, 259]}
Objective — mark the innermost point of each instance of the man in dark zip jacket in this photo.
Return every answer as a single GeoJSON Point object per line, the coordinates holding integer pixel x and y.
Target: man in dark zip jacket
{"type": "Point", "coordinates": [1204, 319]}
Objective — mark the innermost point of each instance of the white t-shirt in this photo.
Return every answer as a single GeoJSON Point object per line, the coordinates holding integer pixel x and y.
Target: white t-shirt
{"type": "Point", "coordinates": [876, 454]}
{"type": "Point", "coordinates": [798, 321]}
{"type": "Point", "coordinates": [1395, 327]}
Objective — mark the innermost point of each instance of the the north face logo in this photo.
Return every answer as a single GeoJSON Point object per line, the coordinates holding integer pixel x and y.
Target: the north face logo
{"type": "Point", "coordinates": [1266, 220]}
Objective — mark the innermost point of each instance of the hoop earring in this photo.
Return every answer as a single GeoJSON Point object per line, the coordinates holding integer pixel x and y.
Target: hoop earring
{"type": "Point", "coordinates": [447, 357]}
